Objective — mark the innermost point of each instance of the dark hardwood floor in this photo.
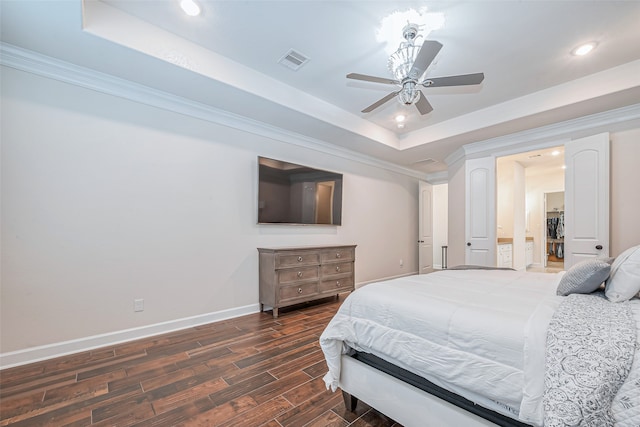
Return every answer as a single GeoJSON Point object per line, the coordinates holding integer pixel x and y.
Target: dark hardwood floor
{"type": "Point", "coordinates": [248, 371]}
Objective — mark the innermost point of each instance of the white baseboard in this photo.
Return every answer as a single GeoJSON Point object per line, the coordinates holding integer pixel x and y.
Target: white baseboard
{"type": "Point", "coordinates": [382, 279]}
{"type": "Point", "coordinates": [36, 354]}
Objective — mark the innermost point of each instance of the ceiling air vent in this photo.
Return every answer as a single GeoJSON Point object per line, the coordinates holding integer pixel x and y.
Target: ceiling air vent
{"type": "Point", "coordinates": [424, 162]}
{"type": "Point", "coordinates": [293, 60]}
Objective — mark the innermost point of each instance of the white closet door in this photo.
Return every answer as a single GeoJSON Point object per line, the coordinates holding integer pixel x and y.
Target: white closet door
{"type": "Point", "coordinates": [586, 199]}
{"type": "Point", "coordinates": [425, 228]}
{"type": "Point", "coordinates": [480, 215]}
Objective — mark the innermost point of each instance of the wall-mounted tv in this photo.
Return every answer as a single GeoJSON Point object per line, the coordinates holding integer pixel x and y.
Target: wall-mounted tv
{"type": "Point", "coordinates": [289, 193]}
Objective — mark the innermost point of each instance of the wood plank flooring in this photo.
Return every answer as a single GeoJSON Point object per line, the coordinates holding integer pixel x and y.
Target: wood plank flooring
{"type": "Point", "coordinates": [249, 371]}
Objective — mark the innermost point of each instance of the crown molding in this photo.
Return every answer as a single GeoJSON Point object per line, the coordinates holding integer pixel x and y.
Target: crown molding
{"type": "Point", "coordinates": [545, 136]}
{"type": "Point", "coordinates": [435, 178]}
{"type": "Point", "coordinates": [49, 67]}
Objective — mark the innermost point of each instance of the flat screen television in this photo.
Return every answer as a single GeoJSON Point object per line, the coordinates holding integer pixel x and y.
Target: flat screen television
{"type": "Point", "coordinates": [289, 193]}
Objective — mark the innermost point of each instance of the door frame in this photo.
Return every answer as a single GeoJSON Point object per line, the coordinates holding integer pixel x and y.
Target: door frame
{"type": "Point", "coordinates": [425, 228]}
{"type": "Point", "coordinates": [602, 242]}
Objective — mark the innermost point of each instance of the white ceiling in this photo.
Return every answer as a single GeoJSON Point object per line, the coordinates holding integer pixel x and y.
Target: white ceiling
{"type": "Point", "coordinates": [538, 162]}
{"type": "Point", "coordinates": [227, 58]}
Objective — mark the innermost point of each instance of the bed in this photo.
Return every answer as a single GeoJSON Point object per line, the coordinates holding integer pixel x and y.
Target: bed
{"type": "Point", "coordinates": [484, 347]}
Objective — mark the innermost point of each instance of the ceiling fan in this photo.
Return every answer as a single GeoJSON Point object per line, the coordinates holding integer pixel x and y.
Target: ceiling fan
{"type": "Point", "coordinates": [408, 64]}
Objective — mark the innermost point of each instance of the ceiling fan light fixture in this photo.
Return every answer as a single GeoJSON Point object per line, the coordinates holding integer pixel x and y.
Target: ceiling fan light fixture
{"type": "Point", "coordinates": [401, 61]}
{"type": "Point", "coordinates": [408, 64]}
{"type": "Point", "coordinates": [409, 94]}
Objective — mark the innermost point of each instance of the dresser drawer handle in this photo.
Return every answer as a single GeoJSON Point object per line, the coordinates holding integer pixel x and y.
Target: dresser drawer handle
{"type": "Point", "coordinates": [299, 273]}
{"type": "Point", "coordinates": [299, 290]}
{"type": "Point", "coordinates": [337, 268]}
{"type": "Point", "coordinates": [299, 259]}
{"type": "Point", "coordinates": [337, 283]}
{"type": "Point", "coordinates": [338, 255]}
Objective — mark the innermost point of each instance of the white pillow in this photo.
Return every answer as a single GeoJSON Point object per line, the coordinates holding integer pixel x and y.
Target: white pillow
{"type": "Point", "coordinates": [624, 280]}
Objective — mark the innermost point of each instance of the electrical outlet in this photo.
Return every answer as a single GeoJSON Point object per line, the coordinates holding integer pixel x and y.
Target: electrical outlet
{"type": "Point", "coordinates": [401, 262]}
{"type": "Point", "coordinates": [138, 304]}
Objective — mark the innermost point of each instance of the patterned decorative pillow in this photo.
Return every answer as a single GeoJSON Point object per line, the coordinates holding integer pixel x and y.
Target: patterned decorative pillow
{"type": "Point", "coordinates": [584, 277]}
{"type": "Point", "coordinates": [624, 281]}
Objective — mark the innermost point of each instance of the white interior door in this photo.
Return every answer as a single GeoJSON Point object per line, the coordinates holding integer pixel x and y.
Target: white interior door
{"type": "Point", "coordinates": [480, 215]}
{"type": "Point", "coordinates": [425, 228]}
{"type": "Point", "coordinates": [586, 199]}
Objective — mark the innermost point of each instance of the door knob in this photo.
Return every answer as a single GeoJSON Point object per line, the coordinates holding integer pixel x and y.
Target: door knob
{"type": "Point", "coordinates": [598, 247]}
{"type": "Point", "coordinates": [468, 243]}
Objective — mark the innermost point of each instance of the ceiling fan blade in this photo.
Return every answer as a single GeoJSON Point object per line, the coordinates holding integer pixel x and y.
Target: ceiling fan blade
{"type": "Point", "coordinates": [366, 78]}
{"type": "Point", "coordinates": [427, 54]}
{"type": "Point", "coordinates": [423, 105]}
{"type": "Point", "coordinates": [461, 80]}
{"type": "Point", "coordinates": [380, 102]}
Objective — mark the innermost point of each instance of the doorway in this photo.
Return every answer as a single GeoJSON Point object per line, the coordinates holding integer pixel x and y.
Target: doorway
{"type": "Point", "coordinates": [523, 180]}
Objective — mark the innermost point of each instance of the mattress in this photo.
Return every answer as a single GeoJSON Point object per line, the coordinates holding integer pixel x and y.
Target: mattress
{"type": "Point", "coordinates": [463, 330]}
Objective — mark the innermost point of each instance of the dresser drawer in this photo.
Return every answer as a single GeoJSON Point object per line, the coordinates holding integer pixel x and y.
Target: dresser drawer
{"type": "Point", "coordinates": [287, 260]}
{"type": "Point", "coordinates": [338, 268]}
{"type": "Point", "coordinates": [290, 275]}
{"type": "Point", "coordinates": [301, 291]}
{"type": "Point", "coordinates": [336, 285]}
{"type": "Point", "coordinates": [337, 254]}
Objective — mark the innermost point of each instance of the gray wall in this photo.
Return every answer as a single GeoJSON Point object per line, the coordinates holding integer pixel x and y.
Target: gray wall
{"type": "Point", "coordinates": [105, 200]}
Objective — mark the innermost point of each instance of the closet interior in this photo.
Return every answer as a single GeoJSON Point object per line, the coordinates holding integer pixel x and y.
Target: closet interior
{"type": "Point", "coordinates": [554, 203]}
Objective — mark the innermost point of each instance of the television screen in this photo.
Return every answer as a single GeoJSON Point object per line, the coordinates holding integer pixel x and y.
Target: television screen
{"type": "Point", "coordinates": [294, 194]}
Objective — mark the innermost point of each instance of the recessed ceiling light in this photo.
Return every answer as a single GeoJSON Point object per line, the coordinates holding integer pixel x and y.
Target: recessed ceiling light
{"type": "Point", "coordinates": [555, 153]}
{"type": "Point", "coordinates": [400, 118]}
{"type": "Point", "coordinates": [400, 125]}
{"type": "Point", "coordinates": [584, 49]}
{"type": "Point", "coordinates": [190, 7]}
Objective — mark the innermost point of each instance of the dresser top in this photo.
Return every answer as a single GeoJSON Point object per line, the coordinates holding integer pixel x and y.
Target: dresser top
{"type": "Point", "coordinates": [303, 248]}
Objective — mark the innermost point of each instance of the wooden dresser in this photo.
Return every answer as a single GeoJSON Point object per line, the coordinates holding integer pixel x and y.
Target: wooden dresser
{"type": "Point", "coordinates": [293, 275]}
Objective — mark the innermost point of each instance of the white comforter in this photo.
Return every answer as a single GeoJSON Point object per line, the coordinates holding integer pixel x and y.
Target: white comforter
{"type": "Point", "coordinates": [464, 330]}
{"type": "Point", "coordinates": [478, 333]}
